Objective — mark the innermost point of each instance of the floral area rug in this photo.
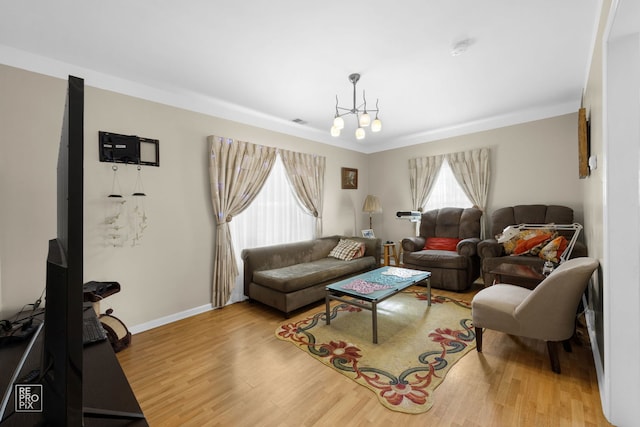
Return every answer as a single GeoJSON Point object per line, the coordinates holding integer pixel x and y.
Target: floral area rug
{"type": "Point", "coordinates": [417, 345]}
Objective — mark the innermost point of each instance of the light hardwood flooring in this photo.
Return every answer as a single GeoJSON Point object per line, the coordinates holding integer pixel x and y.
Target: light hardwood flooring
{"type": "Point", "coordinates": [226, 368]}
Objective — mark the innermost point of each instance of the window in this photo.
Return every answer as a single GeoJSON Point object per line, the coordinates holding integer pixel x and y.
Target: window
{"type": "Point", "coordinates": [274, 217]}
{"type": "Point", "coordinates": [446, 191]}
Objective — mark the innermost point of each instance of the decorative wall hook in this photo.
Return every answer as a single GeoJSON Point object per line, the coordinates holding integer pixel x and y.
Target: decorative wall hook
{"type": "Point", "coordinates": [139, 214]}
{"type": "Point", "coordinates": [115, 192]}
{"type": "Point", "coordinates": [138, 189]}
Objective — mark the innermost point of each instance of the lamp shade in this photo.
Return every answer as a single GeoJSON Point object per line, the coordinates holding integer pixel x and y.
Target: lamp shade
{"type": "Point", "coordinates": [371, 205]}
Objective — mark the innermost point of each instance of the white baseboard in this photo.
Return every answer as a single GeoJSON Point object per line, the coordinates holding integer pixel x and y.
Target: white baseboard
{"type": "Point", "coordinates": [169, 319]}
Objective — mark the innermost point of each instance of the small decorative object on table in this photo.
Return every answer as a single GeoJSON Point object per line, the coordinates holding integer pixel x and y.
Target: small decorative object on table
{"type": "Point", "coordinates": [368, 234]}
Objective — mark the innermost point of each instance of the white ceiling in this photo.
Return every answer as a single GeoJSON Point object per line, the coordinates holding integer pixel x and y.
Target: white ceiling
{"type": "Point", "coordinates": [266, 63]}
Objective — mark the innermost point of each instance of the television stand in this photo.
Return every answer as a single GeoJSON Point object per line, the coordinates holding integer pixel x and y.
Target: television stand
{"type": "Point", "coordinates": [108, 399]}
{"type": "Point", "coordinates": [108, 413]}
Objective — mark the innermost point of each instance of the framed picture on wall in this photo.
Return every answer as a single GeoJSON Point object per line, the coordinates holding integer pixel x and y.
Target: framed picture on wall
{"type": "Point", "coordinates": [583, 143]}
{"type": "Point", "coordinates": [349, 178]}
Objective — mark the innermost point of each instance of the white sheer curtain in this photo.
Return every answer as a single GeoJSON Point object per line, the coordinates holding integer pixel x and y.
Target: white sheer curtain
{"type": "Point", "coordinates": [306, 176]}
{"type": "Point", "coordinates": [446, 191]}
{"type": "Point", "coordinates": [275, 216]}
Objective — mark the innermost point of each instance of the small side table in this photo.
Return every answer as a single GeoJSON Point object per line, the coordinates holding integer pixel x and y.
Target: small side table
{"type": "Point", "coordinates": [390, 252]}
{"type": "Point", "coordinates": [524, 275]}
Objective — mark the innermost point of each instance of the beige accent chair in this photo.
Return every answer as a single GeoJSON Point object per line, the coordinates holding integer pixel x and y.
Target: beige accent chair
{"type": "Point", "coordinates": [547, 312]}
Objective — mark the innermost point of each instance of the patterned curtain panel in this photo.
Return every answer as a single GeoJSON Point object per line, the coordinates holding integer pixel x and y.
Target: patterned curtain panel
{"type": "Point", "coordinates": [306, 176]}
{"type": "Point", "coordinates": [422, 175]}
{"type": "Point", "coordinates": [471, 169]}
{"type": "Point", "coordinates": [237, 172]}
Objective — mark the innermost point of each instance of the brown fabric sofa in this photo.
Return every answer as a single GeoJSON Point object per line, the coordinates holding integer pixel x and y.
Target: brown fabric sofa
{"type": "Point", "coordinates": [291, 275]}
{"type": "Point", "coordinates": [455, 269]}
{"type": "Point", "coordinates": [492, 253]}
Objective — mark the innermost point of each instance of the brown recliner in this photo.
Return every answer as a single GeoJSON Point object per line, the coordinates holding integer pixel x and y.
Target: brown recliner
{"type": "Point", "coordinates": [492, 253]}
{"type": "Point", "coordinates": [454, 269]}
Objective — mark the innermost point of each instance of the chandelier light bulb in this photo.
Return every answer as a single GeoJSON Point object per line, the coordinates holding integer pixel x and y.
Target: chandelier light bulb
{"type": "Point", "coordinates": [338, 123]}
{"type": "Point", "coordinates": [376, 126]}
{"type": "Point", "coordinates": [335, 131]}
{"type": "Point", "coordinates": [360, 133]}
{"type": "Point", "coordinates": [365, 119]}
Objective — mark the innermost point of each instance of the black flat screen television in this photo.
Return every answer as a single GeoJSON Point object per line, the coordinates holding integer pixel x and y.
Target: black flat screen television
{"type": "Point", "coordinates": [61, 369]}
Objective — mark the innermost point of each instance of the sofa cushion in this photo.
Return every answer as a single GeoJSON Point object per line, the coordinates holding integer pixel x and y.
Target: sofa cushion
{"type": "Point", "coordinates": [436, 259]}
{"type": "Point", "coordinates": [300, 276]}
{"type": "Point", "coordinates": [451, 222]}
{"type": "Point", "coordinates": [529, 214]}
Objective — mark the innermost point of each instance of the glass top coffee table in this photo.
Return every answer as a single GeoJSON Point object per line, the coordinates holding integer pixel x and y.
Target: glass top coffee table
{"type": "Point", "coordinates": [368, 289]}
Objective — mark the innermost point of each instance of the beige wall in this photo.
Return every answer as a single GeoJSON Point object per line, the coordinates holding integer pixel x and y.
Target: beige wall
{"type": "Point", "coordinates": [535, 162]}
{"type": "Point", "coordinates": [30, 126]}
{"type": "Point", "coordinates": [170, 272]}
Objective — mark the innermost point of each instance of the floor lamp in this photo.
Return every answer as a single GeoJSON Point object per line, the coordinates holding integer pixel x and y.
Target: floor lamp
{"type": "Point", "coordinates": [371, 205]}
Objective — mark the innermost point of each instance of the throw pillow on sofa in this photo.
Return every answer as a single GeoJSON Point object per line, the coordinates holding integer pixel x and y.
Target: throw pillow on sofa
{"type": "Point", "coordinates": [347, 250]}
{"type": "Point", "coordinates": [520, 244]}
{"type": "Point", "coordinates": [532, 245]}
{"type": "Point", "coordinates": [441, 243]}
{"type": "Point", "coordinates": [554, 249]}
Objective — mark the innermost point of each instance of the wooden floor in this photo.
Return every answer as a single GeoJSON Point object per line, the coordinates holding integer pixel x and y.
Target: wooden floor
{"type": "Point", "coordinates": [226, 368]}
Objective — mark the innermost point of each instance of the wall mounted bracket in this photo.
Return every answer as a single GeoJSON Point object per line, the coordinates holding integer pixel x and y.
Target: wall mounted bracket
{"type": "Point", "coordinates": [130, 149]}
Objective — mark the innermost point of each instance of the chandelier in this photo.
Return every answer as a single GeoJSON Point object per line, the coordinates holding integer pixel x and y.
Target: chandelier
{"type": "Point", "coordinates": [362, 115]}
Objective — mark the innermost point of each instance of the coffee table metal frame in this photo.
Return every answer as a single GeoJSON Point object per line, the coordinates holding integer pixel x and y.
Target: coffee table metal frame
{"type": "Point", "coordinates": [370, 301]}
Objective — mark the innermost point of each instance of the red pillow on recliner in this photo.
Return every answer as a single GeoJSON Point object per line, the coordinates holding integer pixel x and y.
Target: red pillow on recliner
{"type": "Point", "coordinates": [441, 243]}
